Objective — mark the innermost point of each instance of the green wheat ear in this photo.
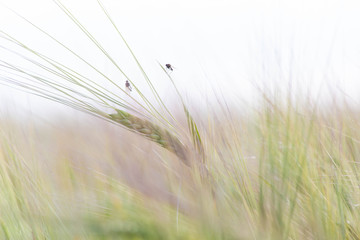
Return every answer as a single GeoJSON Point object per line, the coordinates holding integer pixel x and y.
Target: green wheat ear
{"type": "Point", "coordinates": [152, 132]}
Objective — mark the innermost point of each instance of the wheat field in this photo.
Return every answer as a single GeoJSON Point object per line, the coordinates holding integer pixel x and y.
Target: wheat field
{"type": "Point", "coordinates": [275, 174]}
{"type": "Point", "coordinates": [126, 167]}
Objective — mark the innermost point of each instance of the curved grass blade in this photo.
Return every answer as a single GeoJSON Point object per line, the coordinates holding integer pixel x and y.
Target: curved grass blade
{"type": "Point", "coordinates": [193, 129]}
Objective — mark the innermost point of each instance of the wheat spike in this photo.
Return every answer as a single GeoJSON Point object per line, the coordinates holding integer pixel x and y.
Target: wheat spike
{"type": "Point", "coordinates": [152, 132]}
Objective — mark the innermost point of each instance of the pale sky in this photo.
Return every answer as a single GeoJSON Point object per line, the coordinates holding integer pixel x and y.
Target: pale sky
{"type": "Point", "coordinates": [225, 46]}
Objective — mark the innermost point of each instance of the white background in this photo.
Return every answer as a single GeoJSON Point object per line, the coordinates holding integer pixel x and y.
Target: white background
{"type": "Point", "coordinates": [221, 47]}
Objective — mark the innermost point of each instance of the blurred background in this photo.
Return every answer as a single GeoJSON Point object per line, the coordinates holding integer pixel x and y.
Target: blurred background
{"type": "Point", "coordinates": [228, 48]}
{"type": "Point", "coordinates": [61, 167]}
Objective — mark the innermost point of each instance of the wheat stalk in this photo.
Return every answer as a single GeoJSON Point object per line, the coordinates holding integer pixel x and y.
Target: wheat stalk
{"type": "Point", "coordinates": [152, 132]}
{"type": "Point", "coordinates": [87, 95]}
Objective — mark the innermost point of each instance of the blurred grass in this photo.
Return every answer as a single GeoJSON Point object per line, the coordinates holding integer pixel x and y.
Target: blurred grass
{"type": "Point", "coordinates": [275, 170]}
{"type": "Point", "coordinates": [286, 173]}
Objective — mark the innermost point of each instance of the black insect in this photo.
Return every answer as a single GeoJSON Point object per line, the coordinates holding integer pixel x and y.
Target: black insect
{"type": "Point", "coordinates": [128, 86]}
{"type": "Point", "coordinates": [168, 66]}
